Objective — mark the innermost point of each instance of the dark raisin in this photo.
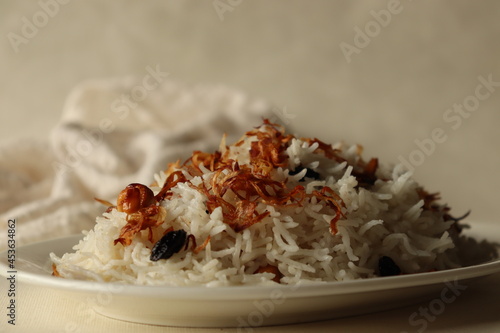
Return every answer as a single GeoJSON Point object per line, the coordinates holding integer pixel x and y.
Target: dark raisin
{"type": "Point", "coordinates": [387, 267]}
{"type": "Point", "coordinates": [365, 175]}
{"type": "Point", "coordinates": [168, 245]}
{"type": "Point", "coordinates": [310, 173]}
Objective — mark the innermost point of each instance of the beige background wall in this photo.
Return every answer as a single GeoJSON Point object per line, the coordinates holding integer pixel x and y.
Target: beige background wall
{"type": "Point", "coordinates": [379, 73]}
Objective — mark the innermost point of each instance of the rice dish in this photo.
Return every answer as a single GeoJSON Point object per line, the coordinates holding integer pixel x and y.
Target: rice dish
{"type": "Point", "coordinates": [269, 208]}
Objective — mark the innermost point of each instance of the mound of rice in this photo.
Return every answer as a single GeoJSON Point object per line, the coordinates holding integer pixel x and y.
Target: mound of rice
{"type": "Point", "coordinates": [272, 208]}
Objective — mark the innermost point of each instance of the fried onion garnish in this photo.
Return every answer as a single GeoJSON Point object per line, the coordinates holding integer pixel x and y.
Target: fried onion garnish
{"type": "Point", "coordinates": [143, 212]}
{"type": "Point", "coordinates": [241, 191]}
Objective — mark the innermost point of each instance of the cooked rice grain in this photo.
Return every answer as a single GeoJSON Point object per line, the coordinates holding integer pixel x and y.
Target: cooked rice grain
{"type": "Point", "coordinates": [386, 218]}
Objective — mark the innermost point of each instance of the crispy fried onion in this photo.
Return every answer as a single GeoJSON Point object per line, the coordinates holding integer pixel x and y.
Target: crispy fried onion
{"type": "Point", "coordinates": [54, 271]}
{"type": "Point", "coordinates": [253, 184]}
{"type": "Point", "coordinates": [429, 199]}
{"type": "Point", "coordinates": [333, 200]}
{"type": "Point", "coordinates": [431, 204]}
{"type": "Point", "coordinates": [363, 171]}
{"type": "Point", "coordinates": [252, 190]}
{"type": "Point", "coordinates": [144, 218]}
{"type": "Point", "coordinates": [250, 184]}
{"type": "Point", "coordinates": [143, 212]}
{"type": "Point", "coordinates": [242, 191]}
{"type": "Point", "coordinates": [173, 179]}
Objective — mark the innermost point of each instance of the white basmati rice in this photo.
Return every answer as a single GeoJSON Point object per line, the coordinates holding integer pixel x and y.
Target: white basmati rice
{"type": "Point", "coordinates": [386, 218]}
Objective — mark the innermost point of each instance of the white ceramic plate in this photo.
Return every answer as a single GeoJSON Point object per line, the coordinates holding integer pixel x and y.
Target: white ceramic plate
{"type": "Point", "coordinates": [245, 306]}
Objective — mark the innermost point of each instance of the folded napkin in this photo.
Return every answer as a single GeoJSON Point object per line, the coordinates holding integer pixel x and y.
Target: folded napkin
{"type": "Point", "coordinates": [112, 133]}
